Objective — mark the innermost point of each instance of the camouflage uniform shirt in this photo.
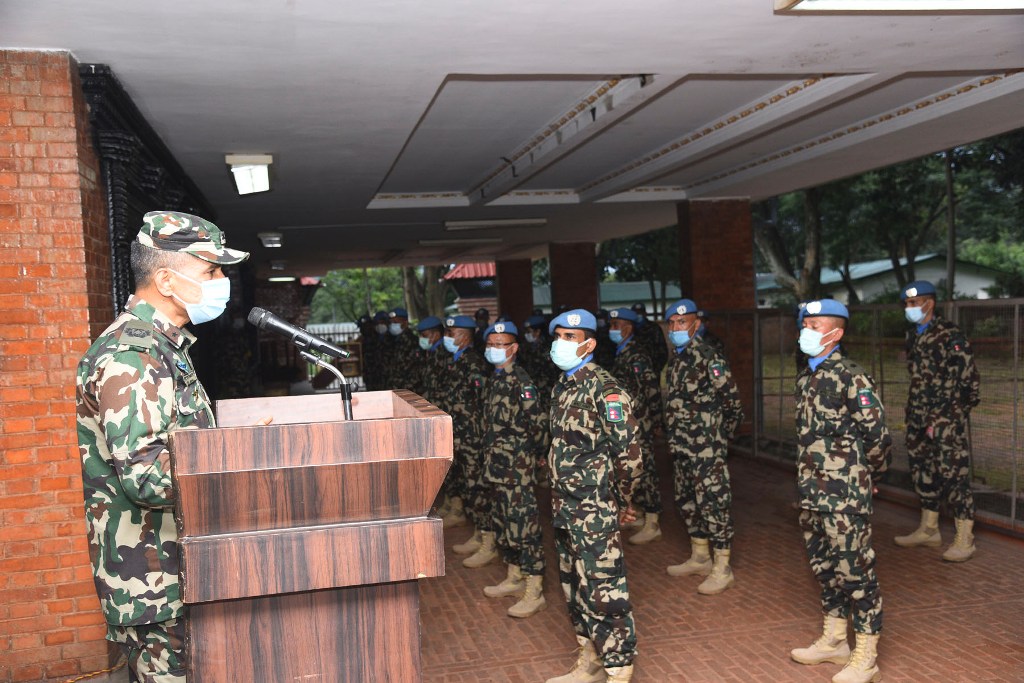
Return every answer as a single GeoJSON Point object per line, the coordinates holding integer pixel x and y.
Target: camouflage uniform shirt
{"type": "Point", "coordinates": [944, 383]}
{"type": "Point", "coordinates": [843, 443]}
{"type": "Point", "coordinates": [702, 405]}
{"type": "Point", "coordinates": [134, 386]}
{"type": "Point", "coordinates": [635, 370]}
{"type": "Point", "coordinates": [516, 427]}
{"type": "Point", "coordinates": [595, 458]}
{"type": "Point", "coordinates": [403, 368]}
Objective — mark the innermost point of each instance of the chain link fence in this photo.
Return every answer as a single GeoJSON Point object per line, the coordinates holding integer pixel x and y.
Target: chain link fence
{"type": "Point", "coordinates": [875, 339]}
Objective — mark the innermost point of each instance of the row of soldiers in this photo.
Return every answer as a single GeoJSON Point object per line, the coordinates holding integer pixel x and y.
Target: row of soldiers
{"type": "Point", "coordinates": [540, 398]}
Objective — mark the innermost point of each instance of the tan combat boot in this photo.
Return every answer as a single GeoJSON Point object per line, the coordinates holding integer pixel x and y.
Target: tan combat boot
{"type": "Point", "coordinates": [962, 548]}
{"type": "Point", "coordinates": [456, 514]}
{"type": "Point", "coordinates": [831, 646]}
{"type": "Point", "coordinates": [651, 531]}
{"type": "Point", "coordinates": [699, 562]}
{"type": "Point", "coordinates": [513, 584]}
{"type": "Point", "coordinates": [471, 545]}
{"type": "Point", "coordinates": [619, 674]}
{"type": "Point", "coordinates": [637, 523]}
{"type": "Point", "coordinates": [721, 575]}
{"type": "Point", "coordinates": [588, 667]}
{"type": "Point", "coordinates": [533, 598]}
{"type": "Point", "coordinates": [485, 554]}
{"type": "Point", "coordinates": [445, 508]}
{"type": "Point", "coordinates": [861, 668]}
{"type": "Point", "coordinates": [927, 534]}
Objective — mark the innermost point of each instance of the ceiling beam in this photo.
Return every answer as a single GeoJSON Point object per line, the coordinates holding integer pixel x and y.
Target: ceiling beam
{"type": "Point", "coordinates": [603, 107]}
{"type": "Point", "coordinates": [794, 100]}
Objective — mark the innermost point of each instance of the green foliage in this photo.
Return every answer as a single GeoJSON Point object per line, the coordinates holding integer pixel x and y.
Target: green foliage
{"type": "Point", "coordinates": [541, 272]}
{"type": "Point", "coordinates": [651, 257]}
{"type": "Point", "coordinates": [1003, 254]}
{"type": "Point", "coordinates": [344, 295]}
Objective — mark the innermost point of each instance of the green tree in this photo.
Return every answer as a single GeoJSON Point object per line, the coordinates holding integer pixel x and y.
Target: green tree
{"type": "Point", "coordinates": [344, 295]}
{"type": "Point", "coordinates": [651, 257]}
{"type": "Point", "coordinates": [426, 291]}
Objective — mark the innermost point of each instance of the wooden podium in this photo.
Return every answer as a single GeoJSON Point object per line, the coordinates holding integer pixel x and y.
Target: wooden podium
{"type": "Point", "coordinates": [301, 542]}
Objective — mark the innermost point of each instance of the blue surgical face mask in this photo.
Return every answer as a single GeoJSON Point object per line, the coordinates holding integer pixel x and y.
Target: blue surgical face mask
{"type": "Point", "coordinates": [563, 353]}
{"type": "Point", "coordinates": [531, 336]}
{"type": "Point", "coordinates": [449, 345]}
{"type": "Point", "coordinates": [915, 314]}
{"type": "Point", "coordinates": [679, 337]}
{"type": "Point", "coordinates": [381, 328]}
{"type": "Point", "coordinates": [615, 336]}
{"type": "Point", "coordinates": [425, 343]}
{"type": "Point", "coordinates": [811, 342]}
{"type": "Point", "coordinates": [395, 329]}
{"type": "Point", "coordinates": [212, 300]}
{"type": "Point", "coordinates": [495, 356]}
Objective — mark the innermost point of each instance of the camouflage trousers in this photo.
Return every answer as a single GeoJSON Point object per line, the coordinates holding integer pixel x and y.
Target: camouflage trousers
{"type": "Point", "coordinates": [843, 561]}
{"type": "Point", "coordinates": [703, 493]}
{"type": "Point", "coordinates": [517, 523]}
{"type": "Point", "coordinates": [941, 468]}
{"type": "Point", "coordinates": [455, 481]}
{"type": "Point", "coordinates": [479, 496]}
{"type": "Point", "coordinates": [155, 652]}
{"type": "Point", "coordinates": [593, 575]}
{"type": "Point", "coordinates": [648, 489]}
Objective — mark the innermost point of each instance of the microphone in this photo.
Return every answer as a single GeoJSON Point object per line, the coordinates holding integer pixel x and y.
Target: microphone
{"type": "Point", "coordinates": [265, 320]}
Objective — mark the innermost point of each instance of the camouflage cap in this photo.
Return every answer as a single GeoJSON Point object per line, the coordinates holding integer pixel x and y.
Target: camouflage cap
{"type": "Point", "coordinates": [176, 231]}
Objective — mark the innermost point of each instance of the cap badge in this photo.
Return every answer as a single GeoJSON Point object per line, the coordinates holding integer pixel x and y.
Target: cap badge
{"type": "Point", "coordinates": [574, 319]}
{"type": "Point", "coordinates": [450, 322]}
{"type": "Point", "coordinates": [613, 314]}
{"type": "Point", "coordinates": [499, 328]}
{"type": "Point", "coordinates": [911, 291]}
{"type": "Point", "coordinates": [681, 310]}
{"type": "Point", "coordinates": [814, 308]}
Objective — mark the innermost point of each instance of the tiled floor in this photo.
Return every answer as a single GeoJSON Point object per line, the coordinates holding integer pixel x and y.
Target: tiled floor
{"type": "Point", "coordinates": [943, 622]}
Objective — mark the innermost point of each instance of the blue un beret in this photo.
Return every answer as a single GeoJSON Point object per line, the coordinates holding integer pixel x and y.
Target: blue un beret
{"type": "Point", "coordinates": [624, 314]}
{"type": "Point", "coordinates": [917, 288]}
{"type": "Point", "coordinates": [429, 323]}
{"type": "Point", "coordinates": [502, 327]}
{"type": "Point", "coordinates": [681, 307]}
{"type": "Point", "coordinates": [399, 312]}
{"type": "Point", "coordinates": [380, 315]}
{"type": "Point", "coordinates": [535, 321]}
{"type": "Point", "coordinates": [820, 307]}
{"type": "Point", "coordinates": [463, 321]}
{"type": "Point", "coordinates": [576, 319]}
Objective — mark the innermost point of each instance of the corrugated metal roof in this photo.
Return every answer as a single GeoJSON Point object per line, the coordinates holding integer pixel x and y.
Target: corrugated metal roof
{"type": "Point", "coordinates": [467, 271]}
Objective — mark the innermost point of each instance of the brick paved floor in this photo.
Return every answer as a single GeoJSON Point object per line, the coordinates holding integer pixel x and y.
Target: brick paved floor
{"type": "Point", "coordinates": [943, 622]}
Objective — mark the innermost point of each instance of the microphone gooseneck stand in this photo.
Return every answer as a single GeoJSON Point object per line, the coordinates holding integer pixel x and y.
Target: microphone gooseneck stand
{"type": "Point", "coordinates": [345, 388]}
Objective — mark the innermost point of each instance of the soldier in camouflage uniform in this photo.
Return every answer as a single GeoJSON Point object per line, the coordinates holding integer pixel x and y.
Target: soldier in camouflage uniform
{"type": "Point", "coordinates": [707, 335]}
{"type": "Point", "coordinates": [944, 387]}
{"type": "Point", "coordinates": [702, 412]}
{"type": "Point", "coordinates": [635, 371]}
{"type": "Point", "coordinates": [843, 450]}
{"type": "Point", "coordinates": [515, 435]}
{"type": "Point", "coordinates": [461, 396]}
{"type": "Point", "coordinates": [403, 365]}
{"type": "Point", "coordinates": [431, 358]}
{"type": "Point", "coordinates": [596, 464]}
{"type": "Point", "coordinates": [376, 348]}
{"type": "Point", "coordinates": [650, 336]}
{"type": "Point", "coordinates": [534, 356]}
{"type": "Point", "coordinates": [604, 354]}
{"type": "Point", "coordinates": [135, 386]}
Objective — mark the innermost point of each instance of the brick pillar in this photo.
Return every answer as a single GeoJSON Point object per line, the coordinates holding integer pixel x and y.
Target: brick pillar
{"type": "Point", "coordinates": [54, 296]}
{"type": "Point", "coordinates": [716, 252]}
{"type": "Point", "coordinates": [573, 275]}
{"type": "Point", "coordinates": [515, 289]}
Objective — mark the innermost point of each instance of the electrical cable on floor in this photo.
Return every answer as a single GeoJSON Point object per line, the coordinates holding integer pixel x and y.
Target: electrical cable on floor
{"type": "Point", "coordinates": [120, 665]}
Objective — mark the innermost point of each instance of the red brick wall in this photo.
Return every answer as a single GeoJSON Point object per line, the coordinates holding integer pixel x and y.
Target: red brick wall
{"type": "Point", "coordinates": [716, 251]}
{"type": "Point", "coordinates": [573, 275]}
{"type": "Point", "coordinates": [54, 284]}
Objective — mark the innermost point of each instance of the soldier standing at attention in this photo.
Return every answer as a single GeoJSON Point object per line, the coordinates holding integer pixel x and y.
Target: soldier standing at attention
{"type": "Point", "coordinates": [702, 412]}
{"type": "Point", "coordinates": [944, 387]}
{"type": "Point", "coordinates": [135, 386]}
{"type": "Point", "coordinates": [463, 400]}
{"type": "Point", "coordinates": [516, 433]}
{"type": "Point", "coordinates": [376, 347]}
{"type": "Point", "coordinates": [843, 449]}
{"type": "Point", "coordinates": [634, 369]}
{"type": "Point", "coordinates": [430, 359]}
{"type": "Point", "coordinates": [534, 348]}
{"type": "Point", "coordinates": [651, 337]}
{"type": "Point", "coordinates": [402, 366]}
{"type": "Point", "coordinates": [596, 465]}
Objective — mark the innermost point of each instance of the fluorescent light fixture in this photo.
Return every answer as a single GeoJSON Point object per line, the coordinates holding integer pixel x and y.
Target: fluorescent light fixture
{"type": "Point", "coordinates": [899, 5]}
{"type": "Point", "coordinates": [281, 278]}
{"type": "Point", "coordinates": [270, 239]}
{"type": "Point", "coordinates": [250, 171]}
{"type": "Point", "coordinates": [483, 224]}
{"type": "Point", "coordinates": [461, 242]}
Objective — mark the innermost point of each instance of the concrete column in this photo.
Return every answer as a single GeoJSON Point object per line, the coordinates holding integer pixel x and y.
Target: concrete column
{"type": "Point", "coordinates": [515, 289]}
{"type": "Point", "coordinates": [573, 275]}
{"type": "Point", "coordinates": [716, 253]}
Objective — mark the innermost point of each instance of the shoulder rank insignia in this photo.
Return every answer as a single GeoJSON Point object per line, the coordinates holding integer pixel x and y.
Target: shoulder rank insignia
{"type": "Point", "coordinates": [866, 398]}
{"type": "Point", "coordinates": [182, 365]}
{"type": "Point", "coordinates": [477, 381]}
{"type": "Point", "coordinates": [137, 334]}
{"type": "Point", "coordinates": [529, 393]}
{"type": "Point", "coordinates": [717, 370]}
{"type": "Point", "coordinates": [613, 408]}
{"type": "Point", "coordinates": [638, 369]}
